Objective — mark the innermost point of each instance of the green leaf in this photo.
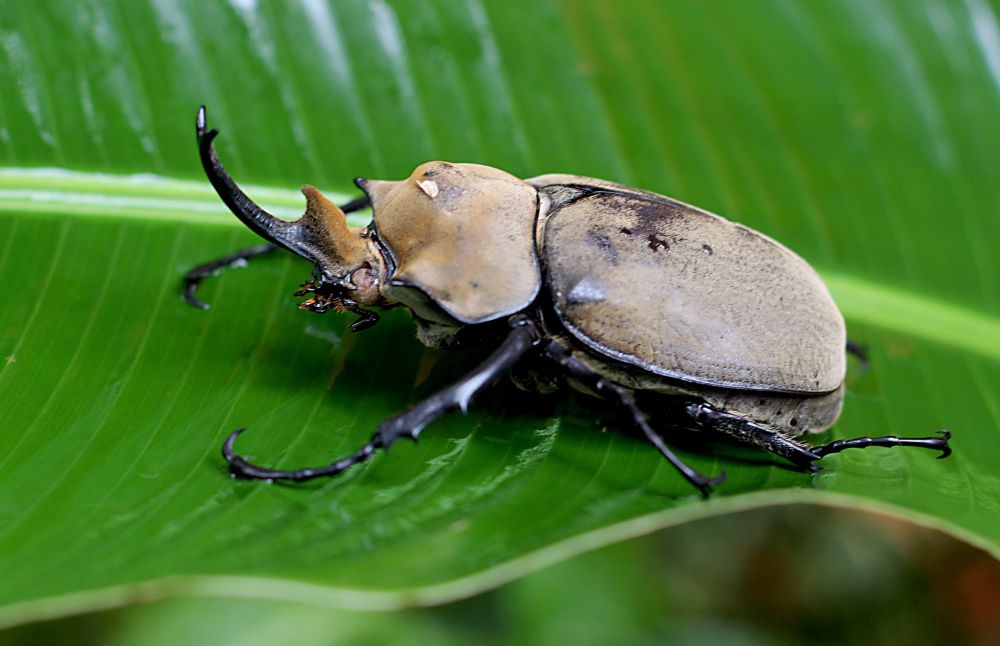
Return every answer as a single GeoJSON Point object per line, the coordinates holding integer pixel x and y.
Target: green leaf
{"type": "Point", "coordinates": [861, 134]}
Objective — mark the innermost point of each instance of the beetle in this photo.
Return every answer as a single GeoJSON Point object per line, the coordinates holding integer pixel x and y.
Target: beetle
{"type": "Point", "coordinates": [615, 291]}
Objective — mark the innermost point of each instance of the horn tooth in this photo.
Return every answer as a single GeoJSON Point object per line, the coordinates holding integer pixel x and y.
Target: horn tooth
{"type": "Point", "coordinates": [325, 227]}
{"type": "Point", "coordinates": [377, 190]}
{"type": "Point", "coordinates": [320, 211]}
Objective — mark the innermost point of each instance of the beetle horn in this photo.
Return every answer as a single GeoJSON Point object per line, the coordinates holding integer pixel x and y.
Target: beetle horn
{"type": "Point", "coordinates": [376, 190]}
{"type": "Point", "coordinates": [324, 228]}
{"type": "Point", "coordinates": [284, 234]}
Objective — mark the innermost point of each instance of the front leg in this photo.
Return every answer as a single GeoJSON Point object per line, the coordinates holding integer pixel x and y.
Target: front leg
{"type": "Point", "coordinates": [522, 336]}
{"type": "Point", "coordinates": [193, 278]}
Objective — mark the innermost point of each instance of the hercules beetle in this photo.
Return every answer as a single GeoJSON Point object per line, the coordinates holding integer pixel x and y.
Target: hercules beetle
{"type": "Point", "coordinates": [616, 291]}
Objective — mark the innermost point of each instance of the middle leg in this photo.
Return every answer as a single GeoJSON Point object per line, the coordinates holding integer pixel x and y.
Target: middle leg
{"type": "Point", "coordinates": [563, 357]}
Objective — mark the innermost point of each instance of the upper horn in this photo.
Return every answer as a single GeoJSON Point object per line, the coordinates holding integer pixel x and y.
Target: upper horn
{"type": "Point", "coordinates": [282, 233]}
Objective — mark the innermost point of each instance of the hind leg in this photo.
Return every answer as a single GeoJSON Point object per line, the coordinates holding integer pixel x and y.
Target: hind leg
{"type": "Point", "coordinates": [701, 415]}
{"type": "Point", "coordinates": [939, 443]}
{"type": "Point", "coordinates": [704, 416]}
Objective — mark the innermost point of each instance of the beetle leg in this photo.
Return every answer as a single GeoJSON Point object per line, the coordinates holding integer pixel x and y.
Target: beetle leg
{"type": "Point", "coordinates": [563, 357]}
{"type": "Point", "coordinates": [357, 204]}
{"type": "Point", "coordinates": [860, 352]}
{"type": "Point", "coordinates": [706, 416]}
{"type": "Point", "coordinates": [522, 337]}
{"type": "Point", "coordinates": [193, 278]}
{"type": "Point", "coordinates": [939, 443]}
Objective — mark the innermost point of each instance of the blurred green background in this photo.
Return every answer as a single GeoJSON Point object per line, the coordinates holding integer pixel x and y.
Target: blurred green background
{"type": "Point", "coordinates": [862, 134]}
{"type": "Point", "coordinates": [783, 575]}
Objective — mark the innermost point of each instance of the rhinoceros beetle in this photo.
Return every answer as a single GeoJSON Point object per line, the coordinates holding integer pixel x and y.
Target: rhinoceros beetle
{"type": "Point", "coordinates": [615, 291]}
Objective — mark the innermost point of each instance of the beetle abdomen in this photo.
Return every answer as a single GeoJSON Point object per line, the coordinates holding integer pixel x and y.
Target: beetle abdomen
{"type": "Point", "coordinates": [686, 294]}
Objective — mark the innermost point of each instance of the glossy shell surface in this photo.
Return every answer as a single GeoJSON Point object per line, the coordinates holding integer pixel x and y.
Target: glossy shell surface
{"type": "Point", "coordinates": [683, 293]}
{"type": "Point", "coordinates": [462, 240]}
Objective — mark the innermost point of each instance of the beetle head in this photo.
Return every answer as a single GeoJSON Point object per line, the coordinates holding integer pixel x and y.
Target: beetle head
{"type": "Point", "coordinates": [349, 267]}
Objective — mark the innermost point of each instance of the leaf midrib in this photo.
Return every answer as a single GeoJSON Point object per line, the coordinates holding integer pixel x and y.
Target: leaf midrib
{"type": "Point", "coordinates": [146, 197]}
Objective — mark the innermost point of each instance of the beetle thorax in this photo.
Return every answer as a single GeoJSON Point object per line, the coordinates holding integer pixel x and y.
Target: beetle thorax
{"type": "Point", "coordinates": [461, 241]}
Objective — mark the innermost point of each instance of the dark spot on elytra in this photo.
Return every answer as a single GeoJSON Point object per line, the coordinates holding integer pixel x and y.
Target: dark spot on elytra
{"type": "Point", "coordinates": [794, 421]}
{"type": "Point", "coordinates": [474, 284]}
{"type": "Point", "coordinates": [707, 249]}
{"type": "Point", "coordinates": [656, 242]}
{"type": "Point", "coordinates": [626, 231]}
{"type": "Point", "coordinates": [606, 245]}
